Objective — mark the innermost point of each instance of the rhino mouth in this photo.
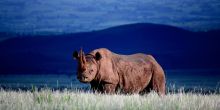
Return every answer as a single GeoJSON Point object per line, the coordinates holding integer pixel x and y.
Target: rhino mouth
{"type": "Point", "coordinates": [83, 79]}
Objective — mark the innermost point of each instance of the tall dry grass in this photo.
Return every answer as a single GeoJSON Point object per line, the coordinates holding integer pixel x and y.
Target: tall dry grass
{"type": "Point", "coordinates": [77, 100]}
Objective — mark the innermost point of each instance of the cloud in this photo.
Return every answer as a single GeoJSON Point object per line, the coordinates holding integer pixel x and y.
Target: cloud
{"type": "Point", "coordinates": [36, 16]}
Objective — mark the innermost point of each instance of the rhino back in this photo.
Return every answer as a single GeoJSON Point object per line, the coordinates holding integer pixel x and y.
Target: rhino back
{"type": "Point", "coordinates": [135, 71]}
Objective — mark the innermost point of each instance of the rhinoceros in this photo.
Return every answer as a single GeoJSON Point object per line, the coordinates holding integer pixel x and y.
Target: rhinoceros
{"type": "Point", "coordinates": [108, 72]}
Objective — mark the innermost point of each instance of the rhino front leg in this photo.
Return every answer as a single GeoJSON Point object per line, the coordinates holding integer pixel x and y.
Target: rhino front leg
{"type": "Point", "coordinates": [109, 88]}
{"type": "Point", "coordinates": [96, 87]}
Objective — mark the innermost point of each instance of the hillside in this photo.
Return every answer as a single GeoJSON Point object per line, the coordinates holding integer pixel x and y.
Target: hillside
{"type": "Point", "coordinates": [174, 48]}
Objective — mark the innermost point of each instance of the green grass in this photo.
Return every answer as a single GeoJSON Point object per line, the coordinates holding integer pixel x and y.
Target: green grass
{"type": "Point", "coordinates": [77, 100]}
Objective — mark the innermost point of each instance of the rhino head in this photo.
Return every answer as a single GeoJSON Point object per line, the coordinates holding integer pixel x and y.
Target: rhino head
{"type": "Point", "coordinates": [87, 65]}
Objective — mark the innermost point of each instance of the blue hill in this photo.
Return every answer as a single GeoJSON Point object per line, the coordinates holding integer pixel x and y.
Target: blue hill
{"type": "Point", "coordinates": [174, 48]}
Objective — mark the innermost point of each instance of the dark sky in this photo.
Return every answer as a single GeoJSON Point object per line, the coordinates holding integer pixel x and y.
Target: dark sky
{"type": "Point", "coordinates": [68, 16]}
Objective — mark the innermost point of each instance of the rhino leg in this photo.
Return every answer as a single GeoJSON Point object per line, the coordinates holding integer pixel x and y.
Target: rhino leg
{"type": "Point", "coordinates": [96, 87]}
{"type": "Point", "coordinates": [103, 88]}
{"type": "Point", "coordinates": [109, 88]}
{"type": "Point", "coordinates": [158, 81]}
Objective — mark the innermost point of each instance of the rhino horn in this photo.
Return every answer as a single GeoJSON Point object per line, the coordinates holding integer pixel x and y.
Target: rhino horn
{"type": "Point", "coordinates": [82, 58]}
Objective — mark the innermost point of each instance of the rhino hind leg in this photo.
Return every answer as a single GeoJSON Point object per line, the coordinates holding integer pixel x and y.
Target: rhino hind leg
{"type": "Point", "coordinates": [148, 89]}
{"type": "Point", "coordinates": [159, 87]}
{"type": "Point", "coordinates": [157, 83]}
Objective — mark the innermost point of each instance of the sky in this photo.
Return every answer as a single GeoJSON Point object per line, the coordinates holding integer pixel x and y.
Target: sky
{"type": "Point", "coordinates": [70, 16]}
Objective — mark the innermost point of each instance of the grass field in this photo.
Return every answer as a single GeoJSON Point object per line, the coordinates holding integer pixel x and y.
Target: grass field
{"type": "Point", "coordinates": [78, 100]}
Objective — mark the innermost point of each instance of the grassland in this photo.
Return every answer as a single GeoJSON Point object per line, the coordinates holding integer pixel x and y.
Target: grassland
{"type": "Point", "coordinates": [78, 100]}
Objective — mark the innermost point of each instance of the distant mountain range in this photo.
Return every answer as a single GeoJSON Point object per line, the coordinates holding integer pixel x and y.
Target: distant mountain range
{"type": "Point", "coordinates": [174, 48]}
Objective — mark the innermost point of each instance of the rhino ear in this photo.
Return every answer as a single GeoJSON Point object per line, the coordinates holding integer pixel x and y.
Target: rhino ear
{"type": "Point", "coordinates": [75, 55]}
{"type": "Point", "coordinates": [98, 56]}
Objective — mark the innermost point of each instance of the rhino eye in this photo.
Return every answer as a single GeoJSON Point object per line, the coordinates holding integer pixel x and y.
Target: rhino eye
{"type": "Point", "coordinates": [90, 71]}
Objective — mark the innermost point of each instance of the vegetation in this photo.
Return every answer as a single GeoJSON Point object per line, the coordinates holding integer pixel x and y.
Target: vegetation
{"type": "Point", "coordinates": [48, 99]}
